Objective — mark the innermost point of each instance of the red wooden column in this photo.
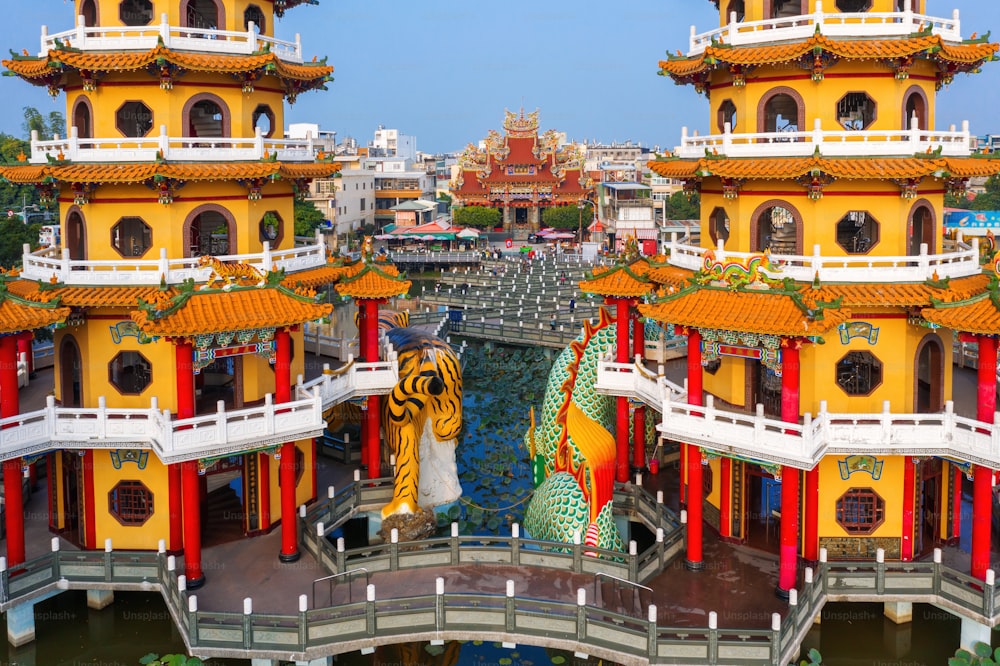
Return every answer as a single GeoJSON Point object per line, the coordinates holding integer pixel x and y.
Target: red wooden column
{"type": "Point", "coordinates": [810, 549]}
{"type": "Point", "coordinates": [726, 498]}
{"type": "Point", "coordinates": [174, 497]}
{"type": "Point", "coordinates": [371, 450]}
{"type": "Point", "coordinates": [190, 485]}
{"type": "Point", "coordinates": [13, 498]}
{"type": "Point", "coordinates": [982, 487]}
{"type": "Point", "coordinates": [788, 551]}
{"type": "Point", "coordinates": [639, 411]}
{"type": "Point", "coordinates": [286, 467]}
{"type": "Point", "coordinates": [695, 490]}
{"type": "Point", "coordinates": [621, 423]}
{"type": "Point", "coordinates": [909, 481]}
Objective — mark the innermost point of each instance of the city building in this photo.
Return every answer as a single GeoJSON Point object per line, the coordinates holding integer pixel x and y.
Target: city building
{"type": "Point", "coordinates": [521, 173]}
{"type": "Point", "coordinates": [393, 143]}
{"type": "Point", "coordinates": [171, 313]}
{"type": "Point", "coordinates": [822, 295]}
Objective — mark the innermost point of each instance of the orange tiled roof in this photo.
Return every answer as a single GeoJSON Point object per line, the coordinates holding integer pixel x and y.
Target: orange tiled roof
{"type": "Point", "coordinates": [87, 296]}
{"type": "Point", "coordinates": [767, 312]}
{"type": "Point", "coordinates": [36, 69]}
{"type": "Point", "coordinates": [20, 313]}
{"type": "Point", "coordinates": [669, 276]}
{"type": "Point", "coordinates": [964, 57]}
{"type": "Point", "coordinates": [198, 312]}
{"type": "Point", "coordinates": [144, 171]}
{"type": "Point", "coordinates": [316, 277]}
{"type": "Point", "coordinates": [980, 315]}
{"type": "Point", "coordinates": [373, 281]}
{"type": "Point", "coordinates": [902, 295]}
{"type": "Point", "coordinates": [787, 168]}
{"type": "Point", "coordinates": [618, 281]}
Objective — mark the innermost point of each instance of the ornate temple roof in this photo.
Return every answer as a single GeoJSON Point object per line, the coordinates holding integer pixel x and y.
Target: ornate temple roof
{"type": "Point", "coordinates": [166, 64]}
{"type": "Point", "coordinates": [953, 58]}
{"type": "Point", "coordinates": [619, 281]}
{"type": "Point", "coordinates": [373, 281]}
{"type": "Point", "coordinates": [790, 168]}
{"type": "Point", "coordinates": [187, 312]}
{"type": "Point", "coordinates": [19, 313]}
{"type": "Point", "coordinates": [147, 171]}
{"type": "Point", "coordinates": [88, 297]}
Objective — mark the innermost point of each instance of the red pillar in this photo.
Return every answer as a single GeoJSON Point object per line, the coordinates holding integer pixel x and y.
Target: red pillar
{"type": "Point", "coordinates": [726, 498]}
{"type": "Point", "coordinates": [286, 468]}
{"type": "Point", "coordinates": [10, 406]}
{"type": "Point", "coordinates": [190, 484]}
{"type": "Point", "coordinates": [909, 480]}
{"type": "Point", "coordinates": [264, 465]}
{"type": "Point", "coordinates": [694, 474]}
{"type": "Point", "coordinates": [811, 548]}
{"type": "Point", "coordinates": [371, 448]}
{"type": "Point", "coordinates": [174, 494]}
{"type": "Point", "coordinates": [982, 495]}
{"type": "Point", "coordinates": [621, 422]}
{"type": "Point", "coordinates": [788, 552]}
{"type": "Point", "coordinates": [639, 411]}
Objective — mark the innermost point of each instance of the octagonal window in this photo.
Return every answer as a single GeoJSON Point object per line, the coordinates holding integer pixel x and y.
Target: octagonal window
{"type": "Point", "coordinates": [856, 111]}
{"type": "Point", "coordinates": [859, 373]}
{"type": "Point", "coordinates": [727, 114]}
{"type": "Point", "coordinates": [849, 6]}
{"type": "Point", "coordinates": [130, 372]}
{"type": "Point", "coordinates": [134, 119]}
{"type": "Point", "coordinates": [131, 237]}
{"type": "Point", "coordinates": [271, 227]}
{"type": "Point", "coordinates": [857, 232]}
{"type": "Point", "coordinates": [263, 120]}
{"type": "Point", "coordinates": [718, 226]}
{"type": "Point", "coordinates": [130, 502]}
{"type": "Point", "coordinates": [860, 511]}
{"type": "Point", "coordinates": [135, 12]}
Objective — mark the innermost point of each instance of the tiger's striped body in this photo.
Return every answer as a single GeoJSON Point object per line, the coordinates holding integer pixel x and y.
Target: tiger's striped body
{"type": "Point", "coordinates": [230, 273]}
{"type": "Point", "coordinates": [421, 418]}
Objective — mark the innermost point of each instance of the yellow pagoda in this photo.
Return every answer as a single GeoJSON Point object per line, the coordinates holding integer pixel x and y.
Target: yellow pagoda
{"type": "Point", "coordinates": [178, 290]}
{"type": "Point", "coordinates": [822, 304]}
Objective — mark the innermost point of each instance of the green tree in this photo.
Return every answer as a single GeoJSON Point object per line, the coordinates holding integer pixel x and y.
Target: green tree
{"type": "Point", "coordinates": [990, 198]}
{"type": "Point", "coordinates": [566, 217]}
{"type": "Point", "coordinates": [307, 218]}
{"type": "Point", "coordinates": [680, 206]}
{"type": "Point", "coordinates": [47, 127]}
{"type": "Point", "coordinates": [13, 235]}
{"type": "Point", "coordinates": [446, 199]}
{"type": "Point", "coordinates": [476, 216]}
{"type": "Point", "coordinates": [153, 659]}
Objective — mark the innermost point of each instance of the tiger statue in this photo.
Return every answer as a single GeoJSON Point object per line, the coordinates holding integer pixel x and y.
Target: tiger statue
{"type": "Point", "coordinates": [229, 273]}
{"type": "Point", "coordinates": [422, 417]}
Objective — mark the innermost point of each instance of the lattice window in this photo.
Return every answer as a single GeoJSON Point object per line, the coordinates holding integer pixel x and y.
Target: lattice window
{"type": "Point", "coordinates": [860, 511]}
{"type": "Point", "coordinates": [859, 373]}
{"type": "Point", "coordinates": [857, 232]}
{"type": "Point", "coordinates": [130, 372]}
{"type": "Point", "coordinates": [130, 502]}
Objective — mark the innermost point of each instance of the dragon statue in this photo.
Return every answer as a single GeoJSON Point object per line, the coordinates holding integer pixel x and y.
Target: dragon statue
{"type": "Point", "coordinates": [736, 273]}
{"type": "Point", "coordinates": [573, 453]}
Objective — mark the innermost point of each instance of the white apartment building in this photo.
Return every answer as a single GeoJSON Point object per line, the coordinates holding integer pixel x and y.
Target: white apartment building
{"type": "Point", "coordinates": [392, 143]}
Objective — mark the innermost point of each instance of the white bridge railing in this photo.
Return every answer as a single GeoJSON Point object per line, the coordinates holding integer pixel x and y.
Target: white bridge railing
{"type": "Point", "coordinates": [352, 380]}
{"type": "Point", "coordinates": [852, 25]}
{"type": "Point", "coordinates": [828, 143]}
{"type": "Point", "coordinates": [45, 263]}
{"type": "Point", "coordinates": [802, 445]}
{"type": "Point", "coordinates": [633, 380]}
{"type": "Point", "coordinates": [851, 268]}
{"type": "Point", "coordinates": [134, 38]}
{"type": "Point", "coordinates": [172, 148]}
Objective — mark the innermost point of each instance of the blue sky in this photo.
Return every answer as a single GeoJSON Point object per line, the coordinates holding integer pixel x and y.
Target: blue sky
{"type": "Point", "coordinates": [445, 70]}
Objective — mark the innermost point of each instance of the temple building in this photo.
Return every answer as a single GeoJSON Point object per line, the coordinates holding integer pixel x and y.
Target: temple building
{"type": "Point", "coordinates": [823, 303]}
{"type": "Point", "coordinates": [521, 173]}
{"type": "Point", "coordinates": [179, 292]}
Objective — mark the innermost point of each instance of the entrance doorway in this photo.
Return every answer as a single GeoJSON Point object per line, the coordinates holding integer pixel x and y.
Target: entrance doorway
{"type": "Point", "coordinates": [221, 380]}
{"type": "Point", "coordinates": [73, 501]}
{"type": "Point", "coordinates": [764, 388]}
{"type": "Point", "coordinates": [224, 511]}
{"type": "Point", "coordinates": [928, 528]}
{"type": "Point", "coordinates": [929, 376]}
{"type": "Point", "coordinates": [762, 512]}
{"type": "Point", "coordinates": [70, 373]}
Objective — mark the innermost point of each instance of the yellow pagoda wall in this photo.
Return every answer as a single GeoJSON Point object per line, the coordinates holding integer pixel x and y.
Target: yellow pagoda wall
{"type": "Point", "coordinates": [108, 13]}
{"type": "Point", "coordinates": [154, 477]}
{"type": "Point", "coordinates": [714, 497]}
{"type": "Point", "coordinates": [758, 10]}
{"type": "Point", "coordinates": [729, 382]}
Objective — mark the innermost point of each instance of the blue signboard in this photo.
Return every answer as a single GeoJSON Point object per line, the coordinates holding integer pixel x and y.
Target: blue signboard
{"type": "Point", "coordinates": [960, 220]}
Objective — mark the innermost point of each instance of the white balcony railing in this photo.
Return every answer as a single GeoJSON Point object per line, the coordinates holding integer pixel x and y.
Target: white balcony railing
{"type": "Point", "coordinates": [632, 380]}
{"type": "Point", "coordinates": [802, 445]}
{"type": "Point", "coordinates": [135, 38]}
{"type": "Point", "coordinates": [829, 143]}
{"type": "Point", "coordinates": [170, 148]}
{"type": "Point", "coordinates": [45, 263]}
{"type": "Point", "coordinates": [208, 435]}
{"type": "Point", "coordinates": [852, 268]}
{"type": "Point", "coordinates": [851, 25]}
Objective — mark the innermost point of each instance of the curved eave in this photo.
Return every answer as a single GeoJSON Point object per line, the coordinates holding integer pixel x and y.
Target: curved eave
{"type": "Point", "coordinates": [902, 295]}
{"type": "Point", "coordinates": [963, 57]}
{"type": "Point", "coordinates": [979, 316]}
{"type": "Point", "coordinates": [763, 312]}
{"type": "Point", "coordinates": [856, 168]}
{"type": "Point", "coordinates": [373, 282]}
{"type": "Point", "coordinates": [123, 173]}
{"type": "Point", "coordinates": [88, 297]}
{"type": "Point", "coordinates": [39, 70]}
{"type": "Point", "coordinates": [618, 282]}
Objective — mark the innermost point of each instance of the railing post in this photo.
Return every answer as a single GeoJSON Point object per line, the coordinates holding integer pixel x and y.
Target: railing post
{"type": "Point", "coordinates": [937, 571]}
{"type": "Point", "coordinates": [247, 623]}
{"type": "Point", "coordinates": [508, 613]}
{"type": "Point", "coordinates": [258, 147]}
{"type": "Point", "coordinates": [775, 639]}
{"type": "Point", "coordinates": [303, 622]}
{"type": "Point", "coordinates": [577, 553]}
{"type": "Point", "coordinates": [652, 633]}
{"type": "Point", "coordinates": [581, 613]}
{"type": "Point", "coordinates": [660, 548]}
{"type": "Point", "coordinates": [633, 561]}
{"type": "Point", "coordinates": [330, 494]}
{"type": "Point", "coordinates": [456, 557]}
{"type": "Point", "coordinates": [989, 601]}
{"type": "Point", "coordinates": [341, 556]}
{"type": "Point", "coordinates": [192, 610]}
{"type": "Point", "coordinates": [108, 571]}
{"type": "Point", "coordinates": [394, 550]}
{"type": "Point", "coordinates": [64, 265]}
{"type": "Point", "coordinates": [165, 29]}
{"type": "Point", "coordinates": [713, 637]}
{"type": "Point", "coordinates": [4, 580]}
{"type": "Point", "coordinates": [515, 544]}
{"type": "Point", "coordinates": [251, 36]}
{"type": "Point", "coordinates": [55, 560]}
{"type": "Point", "coordinates": [439, 617]}
{"type": "Point", "coordinates": [370, 610]}
{"type": "Point", "coordinates": [880, 570]}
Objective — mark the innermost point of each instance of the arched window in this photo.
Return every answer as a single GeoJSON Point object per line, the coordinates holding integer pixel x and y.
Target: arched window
{"type": "Point", "coordinates": [785, 8]}
{"type": "Point", "coordinates": [738, 7]}
{"type": "Point", "coordinates": [82, 118]}
{"type": "Point", "coordinates": [70, 373]}
{"type": "Point", "coordinates": [88, 10]}
{"type": "Point", "coordinates": [75, 239]}
{"type": "Point", "coordinates": [203, 14]}
{"type": "Point", "coordinates": [854, 6]}
{"type": "Point", "coordinates": [915, 106]}
{"type": "Point", "coordinates": [206, 116]}
{"type": "Point", "coordinates": [929, 376]}
{"type": "Point", "coordinates": [263, 119]}
{"type": "Point", "coordinates": [921, 228]}
{"type": "Point", "coordinates": [253, 13]}
{"type": "Point", "coordinates": [776, 226]}
{"type": "Point", "coordinates": [210, 230]}
{"type": "Point", "coordinates": [781, 110]}
{"type": "Point", "coordinates": [727, 114]}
